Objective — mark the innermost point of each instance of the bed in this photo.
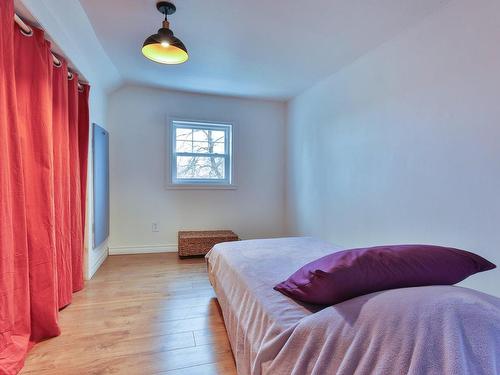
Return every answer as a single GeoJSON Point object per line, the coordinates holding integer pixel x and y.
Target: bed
{"type": "Point", "coordinates": [424, 330]}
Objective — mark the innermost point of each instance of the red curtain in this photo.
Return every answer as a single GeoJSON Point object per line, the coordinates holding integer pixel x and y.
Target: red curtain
{"type": "Point", "coordinates": [42, 116]}
{"type": "Point", "coordinates": [14, 275]}
{"type": "Point", "coordinates": [34, 101]}
{"type": "Point", "coordinates": [60, 133]}
{"type": "Point", "coordinates": [75, 189]}
{"type": "Point", "coordinates": [83, 145]}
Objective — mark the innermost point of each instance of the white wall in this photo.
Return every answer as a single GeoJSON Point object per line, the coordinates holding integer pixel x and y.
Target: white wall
{"type": "Point", "coordinates": [68, 28]}
{"type": "Point", "coordinates": [403, 145]}
{"type": "Point", "coordinates": [138, 123]}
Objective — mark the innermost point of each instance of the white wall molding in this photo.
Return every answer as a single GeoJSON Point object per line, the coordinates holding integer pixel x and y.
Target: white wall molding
{"type": "Point", "coordinates": [144, 249]}
{"type": "Point", "coordinates": [97, 263]}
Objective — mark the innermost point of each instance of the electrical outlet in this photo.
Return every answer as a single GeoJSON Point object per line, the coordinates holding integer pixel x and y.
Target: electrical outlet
{"type": "Point", "coordinates": [155, 227]}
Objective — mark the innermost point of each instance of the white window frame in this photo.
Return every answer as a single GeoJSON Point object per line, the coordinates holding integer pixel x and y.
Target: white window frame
{"type": "Point", "coordinates": [190, 183]}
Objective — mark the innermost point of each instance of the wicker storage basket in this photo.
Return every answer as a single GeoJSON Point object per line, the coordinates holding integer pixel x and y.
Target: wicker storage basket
{"type": "Point", "coordinates": [197, 243]}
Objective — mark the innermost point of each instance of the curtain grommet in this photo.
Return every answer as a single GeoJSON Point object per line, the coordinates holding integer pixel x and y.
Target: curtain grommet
{"type": "Point", "coordinates": [26, 33]}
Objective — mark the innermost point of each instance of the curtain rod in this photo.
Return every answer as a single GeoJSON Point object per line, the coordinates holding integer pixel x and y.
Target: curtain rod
{"type": "Point", "coordinates": [29, 31]}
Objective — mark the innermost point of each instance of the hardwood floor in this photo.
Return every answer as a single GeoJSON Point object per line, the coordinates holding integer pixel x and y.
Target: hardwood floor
{"type": "Point", "coordinates": [141, 314]}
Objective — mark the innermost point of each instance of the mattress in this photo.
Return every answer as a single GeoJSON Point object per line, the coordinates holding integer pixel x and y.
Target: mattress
{"type": "Point", "coordinates": [431, 330]}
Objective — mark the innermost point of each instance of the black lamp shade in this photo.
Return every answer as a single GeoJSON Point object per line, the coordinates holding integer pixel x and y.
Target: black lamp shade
{"type": "Point", "coordinates": [164, 48]}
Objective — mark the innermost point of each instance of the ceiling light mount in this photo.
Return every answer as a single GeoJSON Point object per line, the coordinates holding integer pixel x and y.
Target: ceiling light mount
{"type": "Point", "coordinates": [166, 8]}
{"type": "Point", "coordinates": [163, 47]}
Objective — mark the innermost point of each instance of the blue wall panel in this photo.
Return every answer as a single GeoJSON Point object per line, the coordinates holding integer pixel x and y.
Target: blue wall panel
{"type": "Point", "coordinates": [100, 148]}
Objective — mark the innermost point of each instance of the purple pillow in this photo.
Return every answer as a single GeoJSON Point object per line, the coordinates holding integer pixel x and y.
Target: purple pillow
{"type": "Point", "coordinates": [350, 273]}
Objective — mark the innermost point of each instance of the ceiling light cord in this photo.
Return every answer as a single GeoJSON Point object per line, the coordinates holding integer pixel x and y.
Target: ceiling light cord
{"type": "Point", "coordinates": [166, 24]}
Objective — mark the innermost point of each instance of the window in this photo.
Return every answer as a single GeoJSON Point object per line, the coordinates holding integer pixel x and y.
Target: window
{"type": "Point", "coordinates": [201, 153]}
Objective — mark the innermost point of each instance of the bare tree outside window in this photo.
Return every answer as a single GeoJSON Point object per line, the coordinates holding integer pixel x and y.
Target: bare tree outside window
{"type": "Point", "coordinates": [202, 152]}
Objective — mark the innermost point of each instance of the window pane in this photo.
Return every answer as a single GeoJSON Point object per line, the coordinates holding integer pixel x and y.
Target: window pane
{"type": "Point", "coordinates": [216, 136]}
{"type": "Point", "coordinates": [208, 148]}
{"type": "Point", "coordinates": [200, 167]}
{"type": "Point", "coordinates": [200, 135]}
{"type": "Point", "coordinates": [201, 141]}
{"type": "Point", "coordinates": [201, 147]}
{"type": "Point", "coordinates": [184, 146]}
{"type": "Point", "coordinates": [219, 148]}
{"type": "Point", "coordinates": [183, 134]}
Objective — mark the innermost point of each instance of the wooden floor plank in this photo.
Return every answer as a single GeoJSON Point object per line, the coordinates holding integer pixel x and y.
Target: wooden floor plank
{"type": "Point", "coordinates": [141, 314]}
{"type": "Point", "coordinates": [225, 367]}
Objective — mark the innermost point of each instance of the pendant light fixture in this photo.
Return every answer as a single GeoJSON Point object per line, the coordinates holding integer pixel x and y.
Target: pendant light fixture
{"type": "Point", "coordinates": [163, 47]}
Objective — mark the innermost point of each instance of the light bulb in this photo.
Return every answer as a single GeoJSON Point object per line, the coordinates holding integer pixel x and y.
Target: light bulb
{"type": "Point", "coordinates": [165, 44]}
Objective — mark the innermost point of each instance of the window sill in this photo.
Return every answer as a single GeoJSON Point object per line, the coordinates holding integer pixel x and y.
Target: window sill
{"type": "Point", "coordinates": [200, 187]}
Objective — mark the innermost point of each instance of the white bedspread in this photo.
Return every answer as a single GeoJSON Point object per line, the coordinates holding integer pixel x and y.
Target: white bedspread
{"type": "Point", "coordinates": [426, 330]}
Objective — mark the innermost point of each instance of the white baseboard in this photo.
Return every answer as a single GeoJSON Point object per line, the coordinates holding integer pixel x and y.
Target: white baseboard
{"type": "Point", "coordinates": [148, 249]}
{"type": "Point", "coordinates": [99, 261]}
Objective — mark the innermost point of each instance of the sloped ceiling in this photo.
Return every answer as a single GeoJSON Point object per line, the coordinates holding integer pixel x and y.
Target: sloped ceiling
{"type": "Point", "coordinates": [267, 49]}
{"type": "Point", "coordinates": [68, 28]}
